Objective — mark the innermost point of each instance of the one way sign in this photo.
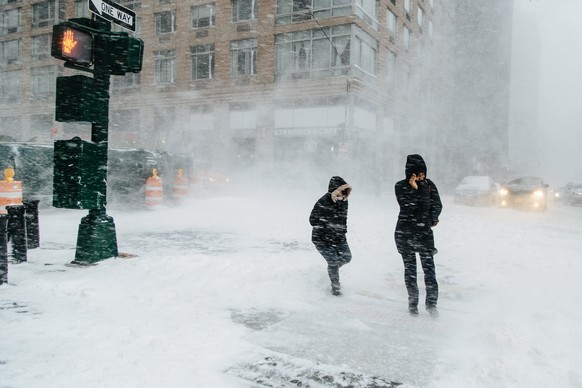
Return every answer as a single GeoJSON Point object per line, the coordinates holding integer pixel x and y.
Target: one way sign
{"type": "Point", "coordinates": [115, 13]}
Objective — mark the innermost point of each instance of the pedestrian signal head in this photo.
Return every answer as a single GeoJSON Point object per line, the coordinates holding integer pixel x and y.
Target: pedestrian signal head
{"type": "Point", "coordinates": [72, 44]}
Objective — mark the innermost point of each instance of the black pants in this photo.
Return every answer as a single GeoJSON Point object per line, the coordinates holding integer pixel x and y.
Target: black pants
{"type": "Point", "coordinates": [336, 256]}
{"type": "Point", "coordinates": [432, 287]}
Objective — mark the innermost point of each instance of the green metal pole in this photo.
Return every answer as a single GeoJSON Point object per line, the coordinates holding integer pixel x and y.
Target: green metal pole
{"type": "Point", "coordinates": [97, 239]}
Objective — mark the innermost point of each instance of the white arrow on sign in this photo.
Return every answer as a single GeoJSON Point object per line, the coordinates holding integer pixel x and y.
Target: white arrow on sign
{"type": "Point", "coordinates": [114, 13]}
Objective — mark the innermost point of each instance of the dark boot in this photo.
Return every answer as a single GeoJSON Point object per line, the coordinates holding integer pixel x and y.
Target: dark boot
{"type": "Point", "coordinates": [413, 310]}
{"type": "Point", "coordinates": [413, 304]}
{"type": "Point", "coordinates": [432, 310]}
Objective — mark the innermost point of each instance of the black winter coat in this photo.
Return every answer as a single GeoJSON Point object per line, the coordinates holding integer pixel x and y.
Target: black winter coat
{"type": "Point", "coordinates": [419, 210]}
{"type": "Point", "coordinates": [329, 216]}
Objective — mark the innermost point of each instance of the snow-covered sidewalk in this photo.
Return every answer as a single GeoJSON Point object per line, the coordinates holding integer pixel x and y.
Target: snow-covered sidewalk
{"type": "Point", "coordinates": [229, 292]}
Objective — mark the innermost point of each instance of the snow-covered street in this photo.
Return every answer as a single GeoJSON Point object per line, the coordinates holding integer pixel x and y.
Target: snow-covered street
{"type": "Point", "coordinates": [230, 292]}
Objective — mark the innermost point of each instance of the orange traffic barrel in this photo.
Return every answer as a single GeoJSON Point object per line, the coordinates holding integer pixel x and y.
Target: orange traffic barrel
{"type": "Point", "coordinates": [154, 193]}
{"type": "Point", "coordinates": [10, 191]}
{"type": "Point", "coordinates": [181, 187]}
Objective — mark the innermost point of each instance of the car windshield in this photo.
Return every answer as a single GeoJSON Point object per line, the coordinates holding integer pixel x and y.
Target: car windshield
{"type": "Point", "coordinates": [526, 181]}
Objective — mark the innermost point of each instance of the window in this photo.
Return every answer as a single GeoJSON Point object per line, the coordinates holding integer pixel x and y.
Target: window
{"type": "Point", "coordinates": [291, 11]}
{"type": "Point", "coordinates": [41, 46]}
{"type": "Point", "coordinates": [43, 81]}
{"type": "Point", "coordinates": [407, 5]}
{"type": "Point", "coordinates": [430, 28]}
{"type": "Point", "coordinates": [48, 13]}
{"type": "Point", "coordinates": [365, 115]}
{"type": "Point", "coordinates": [391, 69]}
{"type": "Point", "coordinates": [304, 115]}
{"type": "Point", "coordinates": [9, 86]}
{"type": "Point", "coordinates": [365, 55]}
{"type": "Point", "coordinates": [10, 21]}
{"type": "Point", "coordinates": [244, 10]}
{"type": "Point", "coordinates": [309, 54]}
{"type": "Point", "coordinates": [369, 11]}
{"type": "Point", "coordinates": [131, 4]}
{"type": "Point", "coordinates": [202, 61]}
{"type": "Point", "coordinates": [165, 22]}
{"type": "Point", "coordinates": [301, 54]}
{"type": "Point", "coordinates": [243, 116]}
{"type": "Point", "coordinates": [9, 51]}
{"type": "Point", "coordinates": [406, 37]}
{"type": "Point", "coordinates": [420, 17]}
{"type": "Point", "coordinates": [243, 55]}
{"type": "Point", "coordinates": [125, 83]}
{"type": "Point", "coordinates": [203, 16]}
{"type": "Point", "coordinates": [81, 8]}
{"type": "Point", "coordinates": [165, 67]}
{"type": "Point", "coordinates": [391, 22]}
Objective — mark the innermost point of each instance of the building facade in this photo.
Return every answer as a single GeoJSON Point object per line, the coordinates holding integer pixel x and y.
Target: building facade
{"type": "Point", "coordinates": [336, 85]}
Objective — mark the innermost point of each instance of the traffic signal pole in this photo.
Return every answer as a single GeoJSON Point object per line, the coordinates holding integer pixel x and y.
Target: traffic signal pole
{"type": "Point", "coordinates": [96, 238]}
{"type": "Point", "coordinates": [80, 172]}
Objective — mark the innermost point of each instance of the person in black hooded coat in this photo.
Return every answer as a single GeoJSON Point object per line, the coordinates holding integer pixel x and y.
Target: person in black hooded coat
{"type": "Point", "coordinates": [420, 208]}
{"type": "Point", "coordinates": [329, 220]}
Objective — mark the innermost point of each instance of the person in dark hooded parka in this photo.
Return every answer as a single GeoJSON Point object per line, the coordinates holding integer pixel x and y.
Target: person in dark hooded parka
{"type": "Point", "coordinates": [420, 208]}
{"type": "Point", "coordinates": [329, 220]}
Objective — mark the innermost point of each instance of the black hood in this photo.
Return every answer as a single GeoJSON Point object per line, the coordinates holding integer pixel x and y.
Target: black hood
{"type": "Point", "coordinates": [414, 165]}
{"type": "Point", "coordinates": [334, 183]}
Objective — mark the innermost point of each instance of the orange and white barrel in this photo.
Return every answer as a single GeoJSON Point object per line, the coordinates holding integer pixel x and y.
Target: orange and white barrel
{"type": "Point", "coordinates": [181, 187]}
{"type": "Point", "coordinates": [10, 191]}
{"type": "Point", "coordinates": [154, 192]}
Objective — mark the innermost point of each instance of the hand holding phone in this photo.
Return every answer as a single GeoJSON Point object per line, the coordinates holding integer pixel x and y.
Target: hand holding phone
{"type": "Point", "coordinates": [412, 181]}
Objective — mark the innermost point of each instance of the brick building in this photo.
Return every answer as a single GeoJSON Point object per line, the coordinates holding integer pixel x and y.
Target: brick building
{"type": "Point", "coordinates": [295, 83]}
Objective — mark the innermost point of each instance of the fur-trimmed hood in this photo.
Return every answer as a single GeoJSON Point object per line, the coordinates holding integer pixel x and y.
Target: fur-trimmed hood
{"type": "Point", "coordinates": [337, 185]}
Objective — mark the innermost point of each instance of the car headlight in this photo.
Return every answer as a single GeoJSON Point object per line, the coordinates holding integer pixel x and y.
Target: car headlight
{"type": "Point", "coordinates": [503, 191]}
{"type": "Point", "coordinates": [538, 194]}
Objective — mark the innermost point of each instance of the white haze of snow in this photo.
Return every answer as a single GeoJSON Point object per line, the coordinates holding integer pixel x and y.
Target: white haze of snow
{"type": "Point", "coordinates": [557, 26]}
{"type": "Point", "coordinates": [221, 283]}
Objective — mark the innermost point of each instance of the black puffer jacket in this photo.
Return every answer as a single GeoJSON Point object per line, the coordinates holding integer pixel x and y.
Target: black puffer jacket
{"type": "Point", "coordinates": [329, 216]}
{"type": "Point", "coordinates": [419, 209]}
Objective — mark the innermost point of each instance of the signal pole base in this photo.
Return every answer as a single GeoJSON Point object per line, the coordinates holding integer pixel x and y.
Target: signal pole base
{"type": "Point", "coordinates": [96, 239]}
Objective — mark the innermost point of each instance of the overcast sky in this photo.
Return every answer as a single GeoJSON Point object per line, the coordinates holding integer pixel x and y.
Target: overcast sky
{"type": "Point", "coordinates": [560, 103]}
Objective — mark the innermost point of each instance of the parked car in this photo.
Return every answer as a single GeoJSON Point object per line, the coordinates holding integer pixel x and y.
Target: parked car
{"type": "Point", "coordinates": [529, 192]}
{"type": "Point", "coordinates": [476, 190]}
{"type": "Point", "coordinates": [573, 194]}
